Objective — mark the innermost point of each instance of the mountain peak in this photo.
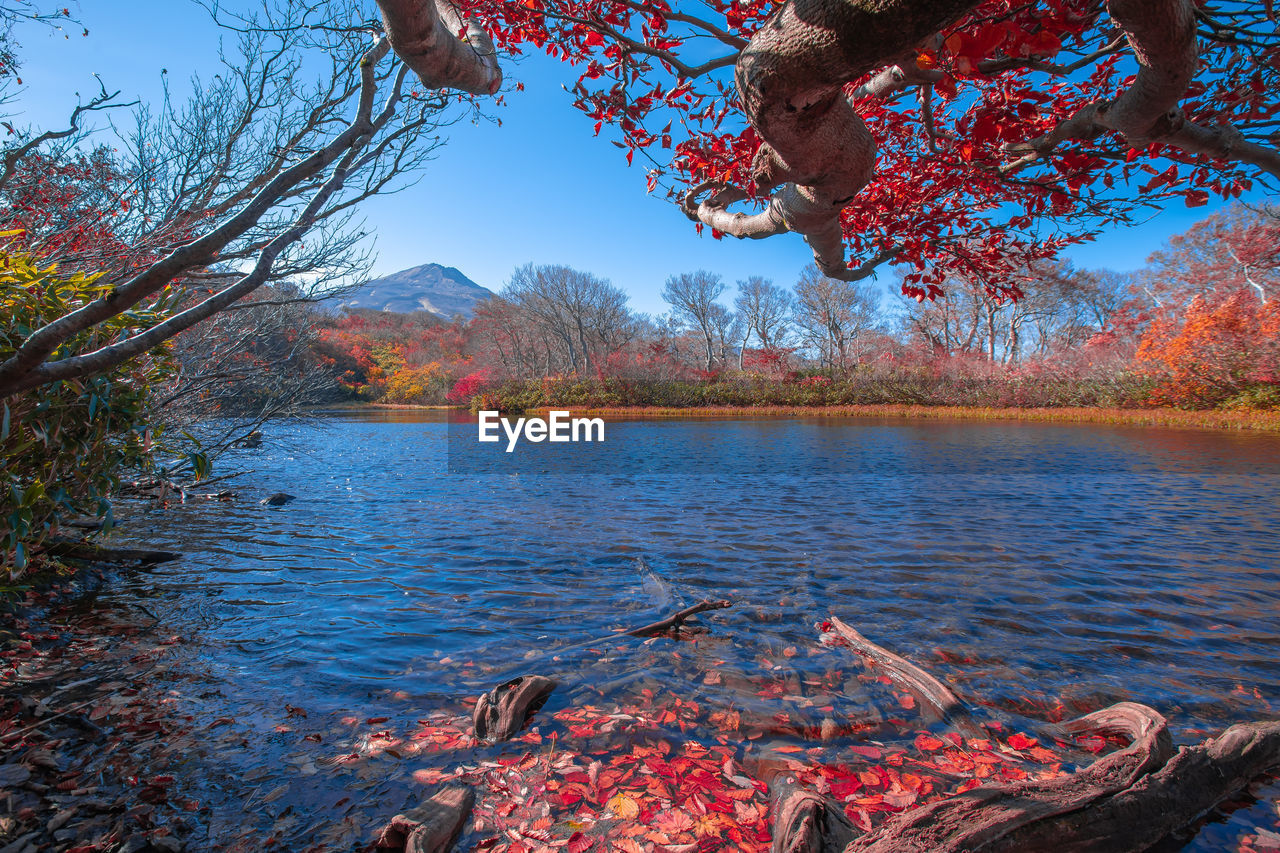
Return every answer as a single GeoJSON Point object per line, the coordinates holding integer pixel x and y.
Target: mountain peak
{"type": "Point", "coordinates": [435, 288]}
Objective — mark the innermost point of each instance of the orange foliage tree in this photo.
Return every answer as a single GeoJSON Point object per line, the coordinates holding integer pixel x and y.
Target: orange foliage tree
{"type": "Point", "coordinates": [1218, 352]}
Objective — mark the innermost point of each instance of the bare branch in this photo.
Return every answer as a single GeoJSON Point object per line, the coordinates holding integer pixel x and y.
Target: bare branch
{"type": "Point", "coordinates": [15, 155]}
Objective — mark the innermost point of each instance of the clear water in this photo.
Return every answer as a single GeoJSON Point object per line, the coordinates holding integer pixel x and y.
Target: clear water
{"type": "Point", "coordinates": [1028, 564]}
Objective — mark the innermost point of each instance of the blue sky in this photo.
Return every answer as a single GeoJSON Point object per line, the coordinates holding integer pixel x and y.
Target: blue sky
{"type": "Point", "coordinates": [549, 192]}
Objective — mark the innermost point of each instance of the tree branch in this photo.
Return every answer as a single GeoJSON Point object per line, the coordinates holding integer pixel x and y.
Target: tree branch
{"type": "Point", "coordinates": [423, 34]}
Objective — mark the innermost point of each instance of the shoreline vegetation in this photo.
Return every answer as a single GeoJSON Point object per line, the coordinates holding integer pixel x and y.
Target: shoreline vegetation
{"type": "Point", "coordinates": [1215, 419]}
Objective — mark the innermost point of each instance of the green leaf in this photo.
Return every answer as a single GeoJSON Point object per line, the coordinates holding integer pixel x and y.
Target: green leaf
{"type": "Point", "coordinates": [4, 423]}
{"type": "Point", "coordinates": [200, 464]}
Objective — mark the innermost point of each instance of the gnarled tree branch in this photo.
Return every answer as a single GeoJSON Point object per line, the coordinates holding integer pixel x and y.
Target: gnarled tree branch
{"type": "Point", "coordinates": [791, 78]}
{"type": "Point", "coordinates": [1162, 35]}
{"type": "Point", "coordinates": [424, 34]}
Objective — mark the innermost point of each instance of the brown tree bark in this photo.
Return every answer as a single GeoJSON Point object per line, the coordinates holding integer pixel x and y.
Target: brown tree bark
{"type": "Point", "coordinates": [424, 34]}
{"type": "Point", "coordinates": [1123, 802]}
{"type": "Point", "coordinates": [432, 827]}
{"type": "Point", "coordinates": [791, 79]}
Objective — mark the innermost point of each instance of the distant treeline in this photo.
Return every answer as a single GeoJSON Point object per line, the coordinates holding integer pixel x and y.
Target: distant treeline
{"type": "Point", "coordinates": [1198, 328]}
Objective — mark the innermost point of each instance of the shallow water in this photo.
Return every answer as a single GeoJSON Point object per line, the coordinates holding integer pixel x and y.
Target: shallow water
{"type": "Point", "coordinates": [1027, 563]}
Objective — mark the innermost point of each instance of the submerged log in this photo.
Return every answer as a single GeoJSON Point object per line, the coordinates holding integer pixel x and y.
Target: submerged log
{"type": "Point", "coordinates": [99, 554]}
{"type": "Point", "coordinates": [928, 690]}
{"type": "Point", "coordinates": [432, 827]}
{"type": "Point", "coordinates": [502, 712]}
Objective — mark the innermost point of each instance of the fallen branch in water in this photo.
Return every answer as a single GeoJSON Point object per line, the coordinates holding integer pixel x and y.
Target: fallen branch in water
{"type": "Point", "coordinates": [17, 733]}
{"type": "Point", "coordinates": [927, 689]}
{"type": "Point", "coordinates": [502, 712]}
{"type": "Point", "coordinates": [675, 620]}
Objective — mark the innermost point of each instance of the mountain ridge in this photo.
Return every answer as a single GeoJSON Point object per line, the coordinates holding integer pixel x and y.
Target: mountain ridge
{"type": "Point", "coordinates": [435, 288]}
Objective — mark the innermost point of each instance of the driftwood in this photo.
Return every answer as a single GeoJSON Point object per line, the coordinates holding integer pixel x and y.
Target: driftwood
{"type": "Point", "coordinates": [1193, 782]}
{"type": "Point", "coordinates": [804, 822]}
{"type": "Point", "coordinates": [503, 711]}
{"type": "Point", "coordinates": [928, 690]}
{"type": "Point", "coordinates": [987, 818]}
{"type": "Point", "coordinates": [677, 619]}
{"type": "Point", "coordinates": [1124, 802]}
{"type": "Point", "coordinates": [430, 828]}
{"type": "Point", "coordinates": [99, 554]}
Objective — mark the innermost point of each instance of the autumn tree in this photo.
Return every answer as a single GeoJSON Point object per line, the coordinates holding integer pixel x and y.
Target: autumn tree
{"type": "Point", "coordinates": [1235, 249]}
{"type": "Point", "coordinates": [949, 136]}
{"type": "Point", "coordinates": [1216, 352]}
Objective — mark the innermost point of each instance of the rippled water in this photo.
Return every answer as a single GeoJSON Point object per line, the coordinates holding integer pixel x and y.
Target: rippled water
{"type": "Point", "coordinates": [1026, 563]}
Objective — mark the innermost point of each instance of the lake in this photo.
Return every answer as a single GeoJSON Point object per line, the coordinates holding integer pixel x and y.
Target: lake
{"type": "Point", "coordinates": [1041, 569]}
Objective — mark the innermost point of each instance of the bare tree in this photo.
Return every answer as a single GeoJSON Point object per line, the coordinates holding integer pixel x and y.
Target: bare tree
{"type": "Point", "coordinates": [241, 368]}
{"type": "Point", "coordinates": [1060, 310]}
{"type": "Point", "coordinates": [692, 297]}
{"type": "Point", "coordinates": [501, 333]}
{"type": "Point", "coordinates": [728, 330]}
{"type": "Point", "coordinates": [765, 309]}
{"type": "Point", "coordinates": [584, 316]}
{"type": "Point", "coordinates": [217, 195]}
{"type": "Point", "coordinates": [835, 316]}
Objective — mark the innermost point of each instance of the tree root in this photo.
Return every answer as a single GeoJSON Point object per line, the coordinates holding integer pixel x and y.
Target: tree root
{"type": "Point", "coordinates": [430, 828]}
{"type": "Point", "coordinates": [987, 818]}
{"type": "Point", "coordinates": [1124, 802]}
{"type": "Point", "coordinates": [502, 712]}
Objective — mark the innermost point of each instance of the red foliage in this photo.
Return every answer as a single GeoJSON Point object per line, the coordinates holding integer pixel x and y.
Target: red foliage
{"type": "Point", "coordinates": [771, 361]}
{"type": "Point", "coordinates": [469, 386]}
{"type": "Point", "coordinates": [940, 196]}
